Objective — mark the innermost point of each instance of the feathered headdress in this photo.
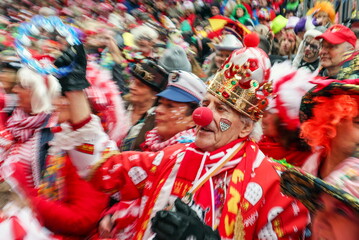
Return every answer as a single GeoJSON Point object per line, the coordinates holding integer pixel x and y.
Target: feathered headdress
{"type": "Point", "coordinates": [289, 86]}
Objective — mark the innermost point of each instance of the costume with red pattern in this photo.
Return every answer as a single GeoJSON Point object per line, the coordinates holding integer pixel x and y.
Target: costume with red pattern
{"type": "Point", "coordinates": [65, 202]}
{"type": "Point", "coordinates": [252, 201]}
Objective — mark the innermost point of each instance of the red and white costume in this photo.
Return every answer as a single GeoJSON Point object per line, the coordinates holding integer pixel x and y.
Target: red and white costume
{"type": "Point", "coordinates": [65, 202]}
{"type": "Point", "coordinates": [249, 197]}
{"type": "Point", "coordinates": [20, 223]}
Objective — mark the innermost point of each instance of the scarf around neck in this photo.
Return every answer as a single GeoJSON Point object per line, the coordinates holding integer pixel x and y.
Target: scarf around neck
{"type": "Point", "coordinates": [22, 125]}
{"type": "Point", "coordinates": [153, 141]}
{"type": "Point", "coordinates": [196, 163]}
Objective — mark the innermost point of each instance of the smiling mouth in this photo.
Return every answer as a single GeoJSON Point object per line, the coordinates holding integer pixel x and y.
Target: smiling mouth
{"type": "Point", "coordinates": [205, 129]}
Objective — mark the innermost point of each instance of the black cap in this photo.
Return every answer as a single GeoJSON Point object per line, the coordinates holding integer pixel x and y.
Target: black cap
{"type": "Point", "coordinates": [150, 74]}
{"type": "Point", "coordinates": [215, 4]}
{"type": "Point", "coordinates": [308, 102]}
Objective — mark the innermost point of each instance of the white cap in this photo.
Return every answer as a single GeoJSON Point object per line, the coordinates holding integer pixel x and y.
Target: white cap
{"type": "Point", "coordinates": [184, 87]}
{"type": "Point", "coordinates": [229, 42]}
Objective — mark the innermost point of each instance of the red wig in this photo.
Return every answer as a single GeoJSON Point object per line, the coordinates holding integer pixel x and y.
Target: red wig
{"type": "Point", "coordinates": [327, 113]}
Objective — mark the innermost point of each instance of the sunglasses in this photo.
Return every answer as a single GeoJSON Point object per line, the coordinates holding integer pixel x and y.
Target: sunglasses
{"type": "Point", "coordinates": [311, 46]}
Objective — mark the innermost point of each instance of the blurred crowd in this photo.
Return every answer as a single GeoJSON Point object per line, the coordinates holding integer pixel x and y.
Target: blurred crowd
{"type": "Point", "coordinates": [177, 119]}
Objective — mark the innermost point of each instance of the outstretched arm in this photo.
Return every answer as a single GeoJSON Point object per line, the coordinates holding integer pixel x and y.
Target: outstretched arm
{"type": "Point", "coordinates": [79, 106]}
{"type": "Point", "coordinates": [73, 84]}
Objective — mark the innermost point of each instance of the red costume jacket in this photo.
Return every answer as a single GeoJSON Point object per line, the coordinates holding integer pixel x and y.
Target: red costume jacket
{"type": "Point", "coordinates": [78, 208]}
{"type": "Point", "coordinates": [252, 201]}
{"type": "Point", "coordinates": [65, 202]}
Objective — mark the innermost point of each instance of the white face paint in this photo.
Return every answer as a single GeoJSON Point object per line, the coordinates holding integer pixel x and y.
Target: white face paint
{"type": "Point", "coordinates": [172, 118]}
{"type": "Point", "coordinates": [178, 115]}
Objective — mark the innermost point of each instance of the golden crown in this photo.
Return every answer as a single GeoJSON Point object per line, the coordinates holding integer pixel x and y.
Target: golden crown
{"type": "Point", "coordinates": [242, 82]}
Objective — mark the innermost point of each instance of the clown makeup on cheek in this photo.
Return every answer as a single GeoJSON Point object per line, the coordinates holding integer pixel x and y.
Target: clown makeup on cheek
{"type": "Point", "coordinates": [224, 124]}
{"type": "Point", "coordinates": [178, 114]}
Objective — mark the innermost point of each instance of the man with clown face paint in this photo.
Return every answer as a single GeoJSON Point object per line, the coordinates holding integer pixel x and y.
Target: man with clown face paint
{"type": "Point", "coordinates": [219, 187]}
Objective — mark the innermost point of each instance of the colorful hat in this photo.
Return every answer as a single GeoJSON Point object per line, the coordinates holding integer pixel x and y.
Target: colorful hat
{"type": "Point", "coordinates": [229, 43]}
{"type": "Point", "coordinates": [237, 29]}
{"type": "Point", "coordinates": [11, 62]}
{"type": "Point", "coordinates": [242, 80]}
{"type": "Point", "coordinates": [184, 87]}
{"type": "Point", "coordinates": [292, 22]}
{"type": "Point", "coordinates": [342, 184]}
{"type": "Point", "coordinates": [188, 5]}
{"type": "Point", "coordinates": [175, 58]}
{"type": "Point", "coordinates": [289, 86]}
{"type": "Point", "coordinates": [278, 24]}
{"type": "Point", "coordinates": [326, 88]}
{"type": "Point", "coordinates": [144, 32]}
{"type": "Point", "coordinates": [323, 6]}
{"type": "Point", "coordinates": [150, 74]}
{"type": "Point", "coordinates": [263, 14]}
{"type": "Point", "coordinates": [338, 34]}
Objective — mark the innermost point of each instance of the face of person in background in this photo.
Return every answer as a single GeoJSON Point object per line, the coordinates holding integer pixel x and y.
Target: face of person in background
{"type": "Point", "coordinates": [24, 97]}
{"type": "Point", "coordinates": [263, 3]}
{"type": "Point", "coordinates": [322, 18]}
{"type": "Point", "coordinates": [240, 12]}
{"type": "Point", "coordinates": [347, 136]}
{"type": "Point", "coordinates": [104, 38]}
{"type": "Point", "coordinates": [286, 45]}
{"type": "Point", "coordinates": [289, 14]}
{"type": "Point", "coordinates": [172, 118]}
{"type": "Point", "coordinates": [355, 28]}
{"type": "Point", "coordinates": [269, 124]}
{"type": "Point", "coordinates": [221, 56]}
{"type": "Point", "coordinates": [8, 79]}
{"type": "Point", "coordinates": [144, 45]}
{"type": "Point", "coordinates": [335, 220]}
{"type": "Point", "coordinates": [176, 23]}
{"type": "Point", "coordinates": [160, 5]}
{"type": "Point", "coordinates": [215, 11]}
{"type": "Point", "coordinates": [311, 49]}
{"type": "Point", "coordinates": [331, 55]}
{"type": "Point", "coordinates": [140, 92]}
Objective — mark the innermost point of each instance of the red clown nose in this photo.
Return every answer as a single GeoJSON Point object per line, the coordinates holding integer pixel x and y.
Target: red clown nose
{"type": "Point", "coordinates": [202, 116]}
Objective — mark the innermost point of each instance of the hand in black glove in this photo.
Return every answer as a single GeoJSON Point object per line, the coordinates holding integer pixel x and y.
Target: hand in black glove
{"type": "Point", "coordinates": [181, 224]}
{"type": "Point", "coordinates": [76, 79]}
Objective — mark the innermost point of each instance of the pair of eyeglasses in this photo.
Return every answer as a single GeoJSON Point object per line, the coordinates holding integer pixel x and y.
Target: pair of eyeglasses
{"type": "Point", "coordinates": [311, 46]}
